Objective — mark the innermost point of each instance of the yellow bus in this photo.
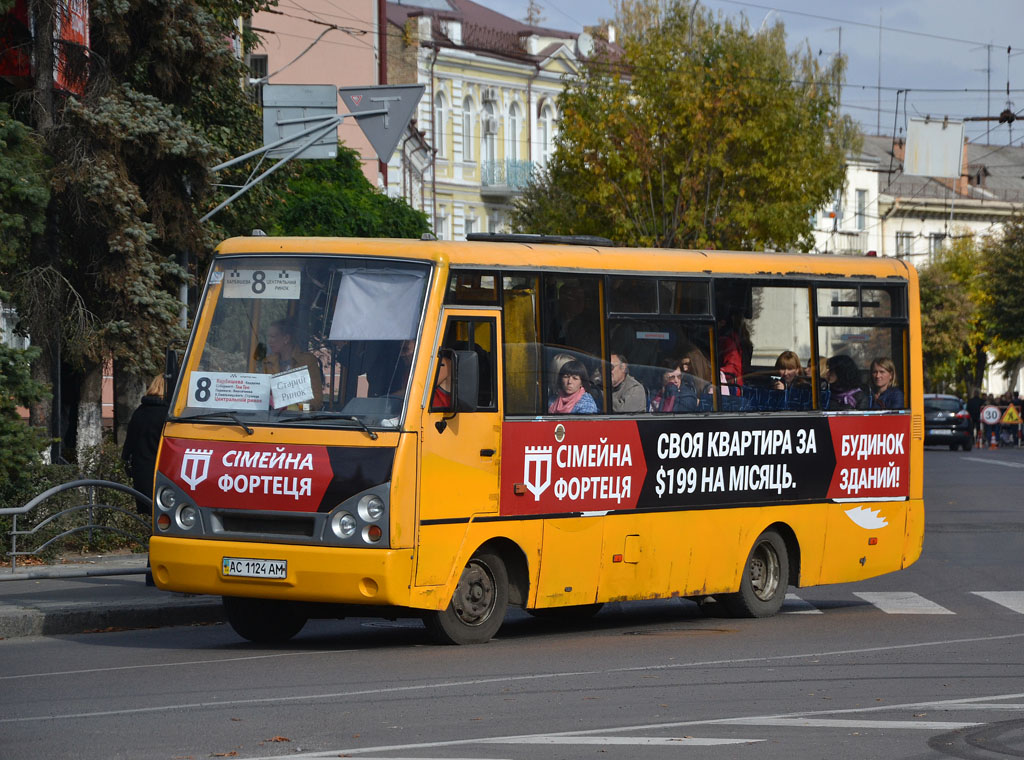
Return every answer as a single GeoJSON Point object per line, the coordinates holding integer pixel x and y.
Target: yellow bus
{"type": "Point", "coordinates": [444, 429]}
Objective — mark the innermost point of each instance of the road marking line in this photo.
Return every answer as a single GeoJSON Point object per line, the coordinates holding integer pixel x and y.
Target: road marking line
{"type": "Point", "coordinates": [993, 461]}
{"type": "Point", "coordinates": [794, 605]}
{"type": "Point", "coordinates": [902, 603]}
{"type": "Point", "coordinates": [1013, 600]}
{"type": "Point", "coordinates": [845, 723]}
{"type": "Point", "coordinates": [945, 703]}
{"type": "Point", "coordinates": [443, 685]}
{"type": "Point", "coordinates": [663, 741]}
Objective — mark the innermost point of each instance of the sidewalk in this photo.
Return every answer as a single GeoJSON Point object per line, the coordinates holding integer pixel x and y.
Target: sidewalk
{"type": "Point", "coordinates": [70, 601]}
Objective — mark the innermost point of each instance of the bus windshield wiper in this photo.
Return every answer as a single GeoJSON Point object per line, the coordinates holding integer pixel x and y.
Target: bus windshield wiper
{"type": "Point", "coordinates": [339, 416]}
{"type": "Point", "coordinates": [214, 415]}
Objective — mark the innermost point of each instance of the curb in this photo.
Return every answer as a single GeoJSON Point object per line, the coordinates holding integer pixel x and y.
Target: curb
{"type": "Point", "coordinates": [86, 617]}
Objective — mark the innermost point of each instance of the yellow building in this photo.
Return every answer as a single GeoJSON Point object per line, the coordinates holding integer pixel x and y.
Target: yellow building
{"type": "Point", "coordinates": [489, 115]}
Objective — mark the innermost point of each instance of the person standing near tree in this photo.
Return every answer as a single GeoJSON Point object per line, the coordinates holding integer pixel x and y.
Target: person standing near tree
{"type": "Point", "coordinates": [143, 440]}
{"type": "Point", "coordinates": [974, 404]}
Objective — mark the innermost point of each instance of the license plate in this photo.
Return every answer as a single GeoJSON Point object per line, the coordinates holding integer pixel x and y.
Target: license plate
{"type": "Point", "coordinates": [242, 567]}
{"type": "Point", "coordinates": [940, 431]}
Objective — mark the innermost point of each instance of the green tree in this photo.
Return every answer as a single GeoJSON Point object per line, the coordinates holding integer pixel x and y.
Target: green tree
{"type": "Point", "coordinates": [23, 199]}
{"type": "Point", "coordinates": [162, 104]}
{"type": "Point", "coordinates": [334, 198]}
{"type": "Point", "coordinates": [1001, 278]}
{"type": "Point", "coordinates": [703, 135]}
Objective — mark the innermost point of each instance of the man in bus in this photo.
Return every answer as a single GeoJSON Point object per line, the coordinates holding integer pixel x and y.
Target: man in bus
{"type": "Point", "coordinates": [628, 393]}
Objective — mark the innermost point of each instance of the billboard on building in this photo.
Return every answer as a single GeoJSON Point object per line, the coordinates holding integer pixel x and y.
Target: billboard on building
{"type": "Point", "coordinates": [71, 32]}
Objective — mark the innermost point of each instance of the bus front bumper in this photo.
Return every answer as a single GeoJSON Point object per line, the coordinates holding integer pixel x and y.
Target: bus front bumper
{"type": "Point", "coordinates": [314, 573]}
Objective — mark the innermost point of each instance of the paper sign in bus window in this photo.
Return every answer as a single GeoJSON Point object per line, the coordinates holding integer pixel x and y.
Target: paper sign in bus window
{"type": "Point", "coordinates": [229, 390]}
{"type": "Point", "coordinates": [272, 282]}
{"type": "Point", "coordinates": [293, 386]}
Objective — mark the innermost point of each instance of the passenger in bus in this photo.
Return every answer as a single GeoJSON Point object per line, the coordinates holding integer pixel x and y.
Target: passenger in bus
{"type": "Point", "coordinates": [572, 396]}
{"type": "Point", "coordinates": [788, 370]}
{"type": "Point", "coordinates": [283, 353]}
{"type": "Point", "coordinates": [442, 396]}
{"type": "Point", "coordinates": [734, 346]}
{"type": "Point", "coordinates": [697, 366]}
{"type": "Point", "coordinates": [884, 393]}
{"type": "Point", "coordinates": [844, 383]}
{"type": "Point", "coordinates": [677, 393]}
{"type": "Point", "coordinates": [628, 393]}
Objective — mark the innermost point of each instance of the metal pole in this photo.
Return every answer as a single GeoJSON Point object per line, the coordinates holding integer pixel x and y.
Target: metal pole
{"type": "Point", "coordinates": [323, 131]}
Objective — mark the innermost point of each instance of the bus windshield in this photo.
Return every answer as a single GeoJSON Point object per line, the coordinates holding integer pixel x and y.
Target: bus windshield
{"type": "Point", "coordinates": [304, 339]}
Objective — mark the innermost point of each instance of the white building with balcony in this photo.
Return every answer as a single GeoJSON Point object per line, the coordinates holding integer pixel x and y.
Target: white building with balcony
{"type": "Point", "coordinates": [489, 115]}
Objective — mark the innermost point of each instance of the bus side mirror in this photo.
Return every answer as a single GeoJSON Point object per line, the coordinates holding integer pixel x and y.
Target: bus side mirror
{"type": "Point", "coordinates": [465, 380]}
{"type": "Point", "coordinates": [171, 368]}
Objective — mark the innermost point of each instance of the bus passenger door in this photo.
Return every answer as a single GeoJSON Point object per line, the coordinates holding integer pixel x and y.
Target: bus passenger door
{"type": "Point", "coordinates": [460, 454]}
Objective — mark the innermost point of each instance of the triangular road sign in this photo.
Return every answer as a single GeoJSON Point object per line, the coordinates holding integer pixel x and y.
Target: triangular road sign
{"type": "Point", "coordinates": [1010, 416]}
{"type": "Point", "coordinates": [396, 102]}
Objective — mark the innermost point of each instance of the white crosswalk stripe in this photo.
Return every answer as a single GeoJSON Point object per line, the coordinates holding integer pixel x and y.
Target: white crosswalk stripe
{"type": "Point", "coordinates": [905, 602]}
{"type": "Point", "coordinates": [902, 603]}
{"type": "Point", "coordinates": [1013, 600]}
{"type": "Point", "coordinates": [794, 605]}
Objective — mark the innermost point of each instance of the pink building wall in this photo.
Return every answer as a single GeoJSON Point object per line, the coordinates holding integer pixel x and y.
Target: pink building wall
{"type": "Point", "coordinates": [346, 54]}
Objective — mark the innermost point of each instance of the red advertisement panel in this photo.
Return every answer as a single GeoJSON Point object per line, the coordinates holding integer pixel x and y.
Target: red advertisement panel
{"type": "Point", "coordinates": [576, 465]}
{"type": "Point", "coordinates": [248, 476]}
{"type": "Point", "coordinates": [872, 457]}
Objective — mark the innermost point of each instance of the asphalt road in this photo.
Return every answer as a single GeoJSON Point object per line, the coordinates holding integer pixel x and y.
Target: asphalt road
{"type": "Point", "coordinates": [926, 663]}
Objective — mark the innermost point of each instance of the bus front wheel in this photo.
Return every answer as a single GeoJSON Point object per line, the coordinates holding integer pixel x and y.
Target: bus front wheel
{"type": "Point", "coordinates": [263, 621]}
{"type": "Point", "coordinates": [477, 608]}
{"type": "Point", "coordinates": [765, 579]}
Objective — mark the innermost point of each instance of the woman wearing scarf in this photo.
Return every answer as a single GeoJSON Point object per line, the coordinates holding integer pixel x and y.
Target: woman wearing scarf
{"type": "Point", "coordinates": [572, 396]}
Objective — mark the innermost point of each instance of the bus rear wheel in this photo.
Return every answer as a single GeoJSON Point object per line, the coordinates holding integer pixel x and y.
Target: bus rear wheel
{"type": "Point", "coordinates": [477, 608]}
{"type": "Point", "coordinates": [765, 579]}
{"type": "Point", "coordinates": [263, 621]}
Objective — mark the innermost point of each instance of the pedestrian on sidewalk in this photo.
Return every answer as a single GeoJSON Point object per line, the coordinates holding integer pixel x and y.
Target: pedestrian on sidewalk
{"type": "Point", "coordinates": [143, 440]}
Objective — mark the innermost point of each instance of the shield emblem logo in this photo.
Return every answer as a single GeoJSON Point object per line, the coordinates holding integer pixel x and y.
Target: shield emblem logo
{"type": "Point", "coordinates": [195, 466]}
{"type": "Point", "coordinates": [537, 469]}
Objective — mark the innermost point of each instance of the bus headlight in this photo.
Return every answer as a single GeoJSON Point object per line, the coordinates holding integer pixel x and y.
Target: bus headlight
{"type": "Point", "coordinates": [344, 525]}
{"type": "Point", "coordinates": [371, 508]}
{"type": "Point", "coordinates": [187, 517]}
{"type": "Point", "coordinates": [166, 498]}
{"type": "Point", "coordinates": [372, 534]}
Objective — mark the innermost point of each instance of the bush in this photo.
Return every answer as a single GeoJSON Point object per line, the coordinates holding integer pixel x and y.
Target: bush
{"type": "Point", "coordinates": [104, 463]}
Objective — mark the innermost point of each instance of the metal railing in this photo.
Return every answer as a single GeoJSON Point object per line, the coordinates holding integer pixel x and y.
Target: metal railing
{"type": "Point", "coordinates": [91, 507]}
{"type": "Point", "coordinates": [513, 175]}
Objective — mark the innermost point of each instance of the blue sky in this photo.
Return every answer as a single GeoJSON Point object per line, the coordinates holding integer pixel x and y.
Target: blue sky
{"type": "Point", "coordinates": [926, 45]}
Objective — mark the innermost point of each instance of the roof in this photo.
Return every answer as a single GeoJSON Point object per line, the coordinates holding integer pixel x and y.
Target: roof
{"type": "Point", "coordinates": [529, 256]}
{"type": "Point", "coordinates": [482, 28]}
{"type": "Point", "coordinates": [992, 173]}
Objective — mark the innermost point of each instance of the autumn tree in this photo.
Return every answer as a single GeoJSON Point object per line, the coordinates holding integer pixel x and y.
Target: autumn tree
{"type": "Point", "coordinates": [953, 340]}
{"type": "Point", "coordinates": [702, 134]}
{"type": "Point", "coordinates": [1001, 278]}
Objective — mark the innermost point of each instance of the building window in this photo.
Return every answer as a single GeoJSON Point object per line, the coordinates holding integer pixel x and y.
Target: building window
{"type": "Point", "coordinates": [490, 131]}
{"type": "Point", "coordinates": [470, 224]}
{"type": "Point", "coordinates": [904, 243]}
{"type": "Point", "coordinates": [936, 242]}
{"type": "Point", "coordinates": [467, 129]}
{"type": "Point", "coordinates": [512, 150]}
{"type": "Point", "coordinates": [439, 123]}
{"type": "Point", "coordinates": [545, 127]}
{"type": "Point", "coordinates": [862, 209]}
{"type": "Point", "coordinates": [441, 224]}
{"type": "Point", "coordinates": [258, 70]}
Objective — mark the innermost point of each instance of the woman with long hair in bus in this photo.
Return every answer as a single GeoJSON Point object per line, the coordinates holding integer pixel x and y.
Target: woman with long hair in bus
{"type": "Point", "coordinates": [844, 383]}
{"type": "Point", "coordinates": [572, 396]}
{"type": "Point", "coordinates": [884, 393]}
{"type": "Point", "coordinates": [284, 353]}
